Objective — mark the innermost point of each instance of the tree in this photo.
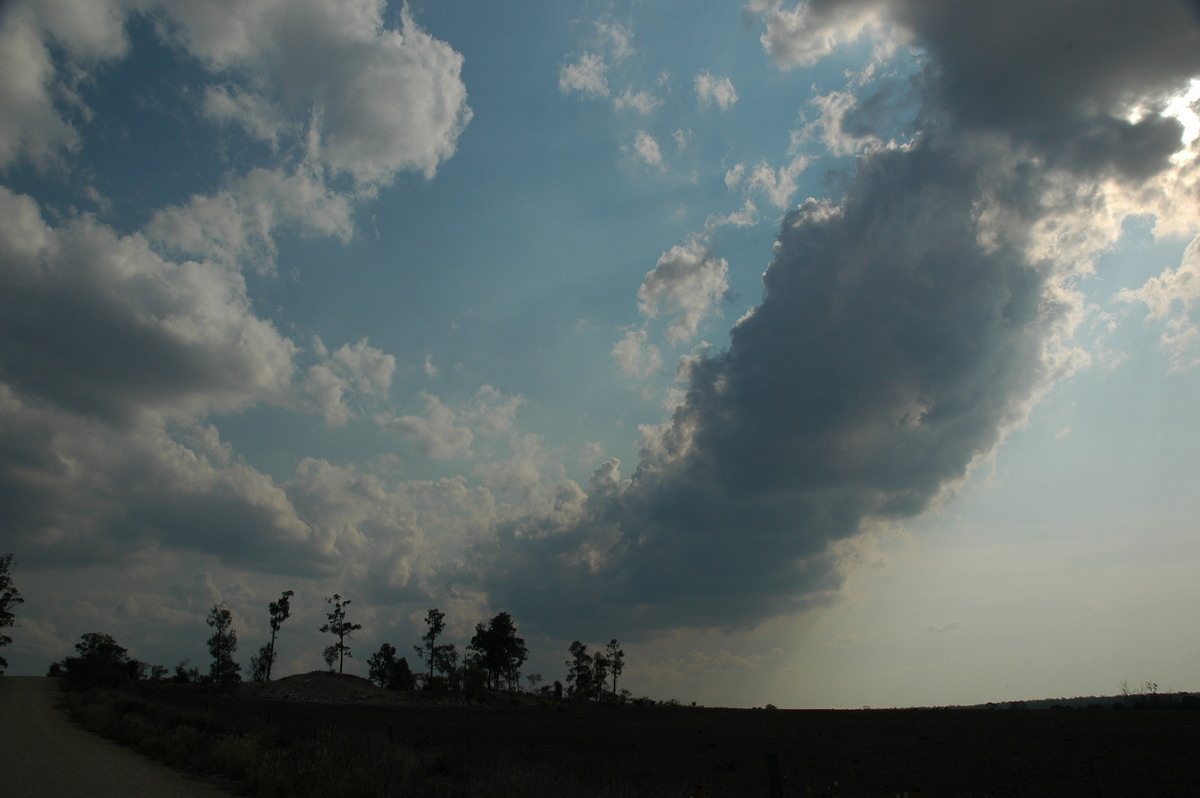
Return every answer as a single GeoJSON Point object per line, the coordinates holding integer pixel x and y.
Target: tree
{"type": "Point", "coordinates": [387, 671]}
{"type": "Point", "coordinates": [184, 674]}
{"type": "Point", "coordinates": [441, 658]}
{"type": "Point", "coordinates": [599, 674]}
{"type": "Point", "coordinates": [261, 663]}
{"type": "Point", "coordinates": [10, 597]}
{"type": "Point", "coordinates": [340, 628]}
{"type": "Point", "coordinates": [616, 663]}
{"type": "Point", "coordinates": [98, 661]}
{"type": "Point", "coordinates": [221, 645]}
{"type": "Point", "coordinates": [580, 681]}
{"type": "Point", "coordinates": [498, 651]}
{"type": "Point", "coordinates": [330, 655]}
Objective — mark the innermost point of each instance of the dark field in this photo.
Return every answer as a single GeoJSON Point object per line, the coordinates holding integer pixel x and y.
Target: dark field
{"type": "Point", "coordinates": [727, 752]}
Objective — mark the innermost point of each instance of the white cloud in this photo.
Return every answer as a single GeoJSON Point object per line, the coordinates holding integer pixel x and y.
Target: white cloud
{"type": "Point", "coordinates": [833, 109]}
{"type": "Point", "coordinates": [635, 356]}
{"type": "Point", "coordinates": [686, 282]}
{"type": "Point", "coordinates": [259, 117]}
{"type": "Point", "coordinates": [711, 89]}
{"type": "Point", "coordinates": [646, 148]}
{"type": "Point", "coordinates": [444, 431]}
{"type": "Point", "coordinates": [1171, 298]}
{"type": "Point", "coordinates": [618, 38]}
{"type": "Point", "coordinates": [359, 372]}
{"type": "Point", "coordinates": [439, 432]}
{"type": "Point", "coordinates": [805, 33]}
{"type": "Point", "coordinates": [588, 76]}
{"type": "Point", "coordinates": [30, 124]}
{"type": "Point", "coordinates": [35, 99]}
{"type": "Point", "coordinates": [377, 99]}
{"type": "Point", "coordinates": [236, 226]}
{"type": "Point", "coordinates": [641, 101]}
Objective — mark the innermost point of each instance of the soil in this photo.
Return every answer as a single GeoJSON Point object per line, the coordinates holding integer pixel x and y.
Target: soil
{"type": "Point", "coordinates": [42, 755]}
{"type": "Point", "coordinates": [763, 752]}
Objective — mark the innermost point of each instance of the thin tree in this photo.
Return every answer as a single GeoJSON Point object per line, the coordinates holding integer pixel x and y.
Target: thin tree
{"type": "Point", "coordinates": [340, 628]}
{"type": "Point", "coordinates": [438, 657]}
{"type": "Point", "coordinates": [221, 645]}
{"type": "Point", "coordinates": [260, 665]}
{"type": "Point", "coordinates": [616, 663]}
{"type": "Point", "coordinates": [599, 674]}
{"type": "Point", "coordinates": [10, 597]}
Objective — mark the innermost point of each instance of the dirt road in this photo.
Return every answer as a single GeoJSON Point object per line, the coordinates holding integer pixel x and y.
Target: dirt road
{"type": "Point", "coordinates": [43, 755]}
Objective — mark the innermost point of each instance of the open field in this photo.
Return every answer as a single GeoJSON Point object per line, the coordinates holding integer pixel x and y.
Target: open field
{"type": "Point", "coordinates": [732, 752]}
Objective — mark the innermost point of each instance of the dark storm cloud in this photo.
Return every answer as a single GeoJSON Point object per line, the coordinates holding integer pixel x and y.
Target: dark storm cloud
{"type": "Point", "coordinates": [890, 350]}
{"type": "Point", "coordinates": [901, 333]}
{"type": "Point", "coordinates": [1061, 76]}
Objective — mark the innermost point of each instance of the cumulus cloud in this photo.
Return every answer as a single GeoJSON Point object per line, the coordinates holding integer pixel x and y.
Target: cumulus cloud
{"type": "Point", "coordinates": [1171, 299]}
{"type": "Point", "coordinates": [635, 356]}
{"type": "Point", "coordinates": [375, 99]}
{"type": "Point", "coordinates": [904, 330]}
{"type": "Point", "coordinates": [30, 124]}
{"type": "Point", "coordinates": [444, 431]}
{"type": "Point", "coordinates": [776, 185]}
{"type": "Point", "coordinates": [711, 89]}
{"type": "Point", "coordinates": [646, 148]}
{"type": "Point", "coordinates": [588, 76]}
{"type": "Point", "coordinates": [99, 323]}
{"type": "Point", "coordinates": [686, 282]}
{"type": "Point", "coordinates": [641, 101]}
{"type": "Point", "coordinates": [237, 226]}
{"type": "Point", "coordinates": [382, 99]}
{"type": "Point", "coordinates": [80, 491]}
{"type": "Point", "coordinates": [353, 374]}
{"type": "Point", "coordinates": [803, 33]}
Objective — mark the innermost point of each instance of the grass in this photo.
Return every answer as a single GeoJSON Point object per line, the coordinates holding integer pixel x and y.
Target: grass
{"type": "Point", "coordinates": [256, 756]}
{"type": "Point", "coordinates": [505, 746]}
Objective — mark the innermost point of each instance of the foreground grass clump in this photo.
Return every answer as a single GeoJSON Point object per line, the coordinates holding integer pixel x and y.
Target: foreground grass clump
{"type": "Point", "coordinates": [261, 757]}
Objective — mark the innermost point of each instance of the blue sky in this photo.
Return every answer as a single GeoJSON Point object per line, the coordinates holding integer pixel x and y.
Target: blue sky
{"type": "Point", "coordinates": [825, 354]}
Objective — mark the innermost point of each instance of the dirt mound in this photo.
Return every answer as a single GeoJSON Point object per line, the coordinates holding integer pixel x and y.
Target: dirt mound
{"type": "Point", "coordinates": [321, 687]}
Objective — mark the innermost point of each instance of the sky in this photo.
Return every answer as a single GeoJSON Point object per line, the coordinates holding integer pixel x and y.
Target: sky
{"type": "Point", "coordinates": [825, 354]}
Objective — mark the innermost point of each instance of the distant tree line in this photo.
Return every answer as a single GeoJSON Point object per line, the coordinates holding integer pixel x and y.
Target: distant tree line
{"type": "Point", "coordinates": [492, 661]}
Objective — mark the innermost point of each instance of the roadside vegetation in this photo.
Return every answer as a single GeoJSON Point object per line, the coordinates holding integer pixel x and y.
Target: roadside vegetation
{"type": "Point", "coordinates": [259, 749]}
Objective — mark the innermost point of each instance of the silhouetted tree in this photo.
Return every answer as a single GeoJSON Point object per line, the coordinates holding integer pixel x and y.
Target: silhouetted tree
{"type": "Point", "coordinates": [261, 663]}
{"type": "Point", "coordinates": [339, 627]}
{"type": "Point", "coordinates": [580, 673]}
{"type": "Point", "coordinates": [599, 674]}
{"type": "Point", "coordinates": [387, 671]}
{"type": "Point", "coordinates": [98, 661]}
{"type": "Point", "coordinates": [616, 663]}
{"type": "Point", "coordinates": [10, 597]}
{"type": "Point", "coordinates": [221, 645]}
{"type": "Point", "coordinates": [184, 674]}
{"type": "Point", "coordinates": [441, 658]}
{"type": "Point", "coordinates": [330, 654]}
{"type": "Point", "coordinates": [498, 651]}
